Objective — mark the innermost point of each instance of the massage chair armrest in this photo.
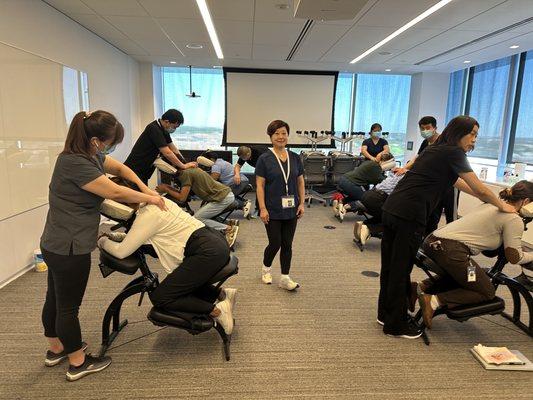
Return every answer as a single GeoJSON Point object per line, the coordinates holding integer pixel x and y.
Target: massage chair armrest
{"type": "Point", "coordinates": [128, 265]}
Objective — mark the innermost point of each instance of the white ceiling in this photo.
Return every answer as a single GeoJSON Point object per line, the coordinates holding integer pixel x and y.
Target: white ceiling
{"type": "Point", "coordinates": [257, 34]}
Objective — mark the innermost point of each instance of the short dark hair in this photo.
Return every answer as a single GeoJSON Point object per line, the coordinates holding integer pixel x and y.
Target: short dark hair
{"type": "Point", "coordinates": [458, 127]}
{"type": "Point", "coordinates": [85, 125]}
{"type": "Point", "coordinates": [275, 125]}
{"type": "Point", "coordinates": [386, 156]}
{"type": "Point", "coordinates": [376, 125]}
{"type": "Point", "coordinates": [212, 155]}
{"type": "Point", "coordinates": [244, 151]}
{"type": "Point", "coordinates": [428, 119]}
{"type": "Point", "coordinates": [520, 191]}
{"type": "Point", "coordinates": [173, 116]}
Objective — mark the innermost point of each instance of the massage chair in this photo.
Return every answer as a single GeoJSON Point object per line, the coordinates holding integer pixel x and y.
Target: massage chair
{"type": "Point", "coordinates": [147, 282]}
{"type": "Point", "coordinates": [496, 306]}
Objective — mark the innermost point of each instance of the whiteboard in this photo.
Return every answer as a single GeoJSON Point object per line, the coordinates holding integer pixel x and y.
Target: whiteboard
{"type": "Point", "coordinates": [303, 99]}
{"type": "Point", "coordinates": [38, 99]}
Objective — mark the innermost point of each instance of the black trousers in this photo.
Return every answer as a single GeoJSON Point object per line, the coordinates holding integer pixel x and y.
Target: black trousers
{"type": "Point", "coordinates": [185, 288]}
{"type": "Point", "coordinates": [401, 240]}
{"type": "Point", "coordinates": [67, 280]}
{"type": "Point", "coordinates": [447, 203]}
{"type": "Point", "coordinates": [373, 200]}
{"type": "Point", "coordinates": [280, 234]}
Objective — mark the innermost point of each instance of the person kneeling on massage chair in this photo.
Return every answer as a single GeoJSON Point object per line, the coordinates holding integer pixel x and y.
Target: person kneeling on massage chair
{"type": "Point", "coordinates": [353, 183]}
{"type": "Point", "coordinates": [452, 246]}
{"type": "Point", "coordinates": [188, 250]}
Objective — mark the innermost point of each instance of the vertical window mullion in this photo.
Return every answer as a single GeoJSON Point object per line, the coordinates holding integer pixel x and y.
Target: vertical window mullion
{"type": "Point", "coordinates": [468, 87]}
{"type": "Point", "coordinates": [352, 108]}
{"type": "Point", "coordinates": [515, 107]}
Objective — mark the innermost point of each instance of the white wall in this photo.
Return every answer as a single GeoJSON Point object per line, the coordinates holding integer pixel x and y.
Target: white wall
{"type": "Point", "coordinates": [429, 95]}
{"type": "Point", "coordinates": [113, 77]}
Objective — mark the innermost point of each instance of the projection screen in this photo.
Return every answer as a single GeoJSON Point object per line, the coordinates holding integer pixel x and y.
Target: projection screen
{"type": "Point", "coordinates": [254, 98]}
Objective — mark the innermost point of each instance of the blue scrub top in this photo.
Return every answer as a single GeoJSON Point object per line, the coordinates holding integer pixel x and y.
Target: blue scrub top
{"type": "Point", "coordinates": [268, 167]}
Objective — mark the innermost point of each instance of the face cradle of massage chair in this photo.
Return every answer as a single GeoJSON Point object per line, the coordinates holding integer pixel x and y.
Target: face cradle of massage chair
{"type": "Point", "coordinates": [492, 307]}
{"type": "Point", "coordinates": [168, 169]}
{"type": "Point", "coordinates": [147, 282]}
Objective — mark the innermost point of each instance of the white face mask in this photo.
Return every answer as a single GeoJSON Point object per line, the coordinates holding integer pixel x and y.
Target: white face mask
{"type": "Point", "coordinates": [427, 134]}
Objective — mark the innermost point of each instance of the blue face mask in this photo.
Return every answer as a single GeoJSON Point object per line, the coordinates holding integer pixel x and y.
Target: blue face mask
{"type": "Point", "coordinates": [108, 149]}
{"type": "Point", "coordinates": [170, 130]}
{"type": "Point", "coordinates": [375, 134]}
{"type": "Point", "coordinates": [426, 134]}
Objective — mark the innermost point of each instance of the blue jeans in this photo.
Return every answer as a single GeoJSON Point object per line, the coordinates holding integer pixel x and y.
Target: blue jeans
{"type": "Point", "coordinates": [212, 209]}
{"type": "Point", "coordinates": [354, 192]}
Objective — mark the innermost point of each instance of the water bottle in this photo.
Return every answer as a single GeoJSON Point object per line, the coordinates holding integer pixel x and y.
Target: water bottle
{"type": "Point", "coordinates": [483, 173]}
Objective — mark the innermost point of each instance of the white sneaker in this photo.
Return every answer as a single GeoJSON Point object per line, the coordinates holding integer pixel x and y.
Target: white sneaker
{"type": "Point", "coordinates": [364, 234]}
{"type": "Point", "coordinates": [231, 235]}
{"type": "Point", "coordinates": [357, 230]}
{"type": "Point", "coordinates": [231, 294]}
{"type": "Point", "coordinates": [342, 212]}
{"type": "Point", "coordinates": [225, 319]}
{"type": "Point", "coordinates": [288, 284]}
{"type": "Point", "coordinates": [266, 276]}
{"type": "Point", "coordinates": [335, 204]}
{"type": "Point", "coordinates": [246, 209]}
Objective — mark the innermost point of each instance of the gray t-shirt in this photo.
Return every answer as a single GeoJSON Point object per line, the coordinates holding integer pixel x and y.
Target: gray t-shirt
{"type": "Point", "coordinates": [74, 214]}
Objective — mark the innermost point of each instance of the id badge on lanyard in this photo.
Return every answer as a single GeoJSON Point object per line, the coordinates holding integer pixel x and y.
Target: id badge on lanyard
{"type": "Point", "coordinates": [287, 201]}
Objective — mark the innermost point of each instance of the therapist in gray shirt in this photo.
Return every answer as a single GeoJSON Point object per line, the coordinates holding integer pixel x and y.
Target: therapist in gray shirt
{"type": "Point", "coordinates": [78, 187]}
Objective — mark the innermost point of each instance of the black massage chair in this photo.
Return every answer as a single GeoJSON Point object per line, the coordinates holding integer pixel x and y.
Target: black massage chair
{"type": "Point", "coordinates": [496, 306]}
{"type": "Point", "coordinates": [146, 282]}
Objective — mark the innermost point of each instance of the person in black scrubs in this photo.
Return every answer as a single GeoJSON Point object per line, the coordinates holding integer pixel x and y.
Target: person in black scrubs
{"type": "Point", "coordinates": [280, 193]}
{"type": "Point", "coordinates": [375, 145]}
{"type": "Point", "coordinates": [428, 131]}
{"type": "Point", "coordinates": [156, 140]}
{"type": "Point", "coordinates": [77, 189]}
{"type": "Point", "coordinates": [250, 155]}
{"type": "Point", "coordinates": [405, 214]}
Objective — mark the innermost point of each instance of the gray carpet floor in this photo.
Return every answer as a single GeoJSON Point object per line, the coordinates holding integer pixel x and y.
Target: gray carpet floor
{"type": "Point", "coordinates": [321, 342]}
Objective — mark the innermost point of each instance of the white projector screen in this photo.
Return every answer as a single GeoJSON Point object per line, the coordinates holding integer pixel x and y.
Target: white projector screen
{"type": "Point", "coordinates": [254, 98]}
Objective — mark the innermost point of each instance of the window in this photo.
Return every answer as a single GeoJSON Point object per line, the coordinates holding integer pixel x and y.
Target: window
{"type": "Point", "coordinates": [523, 144]}
{"type": "Point", "coordinates": [383, 99]}
{"type": "Point", "coordinates": [487, 104]}
{"type": "Point", "coordinates": [455, 94]}
{"type": "Point", "coordinates": [204, 116]}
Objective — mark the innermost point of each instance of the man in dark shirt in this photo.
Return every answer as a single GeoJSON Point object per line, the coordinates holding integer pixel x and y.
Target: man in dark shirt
{"type": "Point", "coordinates": [250, 155]}
{"type": "Point", "coordinates": [154, 140]}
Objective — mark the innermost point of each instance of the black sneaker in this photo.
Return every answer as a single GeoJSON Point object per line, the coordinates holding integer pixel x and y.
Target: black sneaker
{"type": "Point", "coordinates": [53, 359]}
{"type": "Point", "coordinates": [90, 366]}
{"type": "Point", "coordinates": [410, 331]}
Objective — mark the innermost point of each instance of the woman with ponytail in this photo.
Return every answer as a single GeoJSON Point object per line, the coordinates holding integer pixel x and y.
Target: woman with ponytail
{"type": "Point", "coordinates": [79, 185]}
{"type": "Point", "coordinates": [452, 246]}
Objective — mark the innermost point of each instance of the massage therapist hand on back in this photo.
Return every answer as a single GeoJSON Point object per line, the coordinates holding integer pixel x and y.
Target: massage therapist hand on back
{"type": "Point", "coordinates": [78, 187]}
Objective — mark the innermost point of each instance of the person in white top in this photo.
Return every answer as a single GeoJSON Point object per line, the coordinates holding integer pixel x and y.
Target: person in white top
{"type": "Point", "coordinates": [452, 246]}
{"type": "Point", "coordinates": [188, 250]}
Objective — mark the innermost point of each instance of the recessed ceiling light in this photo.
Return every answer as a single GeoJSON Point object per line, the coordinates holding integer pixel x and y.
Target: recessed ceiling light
{"type": "Point", "coordinates": [388, 70]}
{"type": "Point", "coordinates": [467, 61]}
{"type": "Point", "coordinates": [282, 6]}
{"type": "Point", "coordinates": [514, 46]}
{"type": "Point", "coordinates": [193, 46]}
{"type": "Point", "coordinates": [173, 62]}
{"type": "Point", "coordinates": [217, 66]}
{"type": "Point", "coordinates": [399, 31]}
{"type": "Point", "coordinates": [206, 16]}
